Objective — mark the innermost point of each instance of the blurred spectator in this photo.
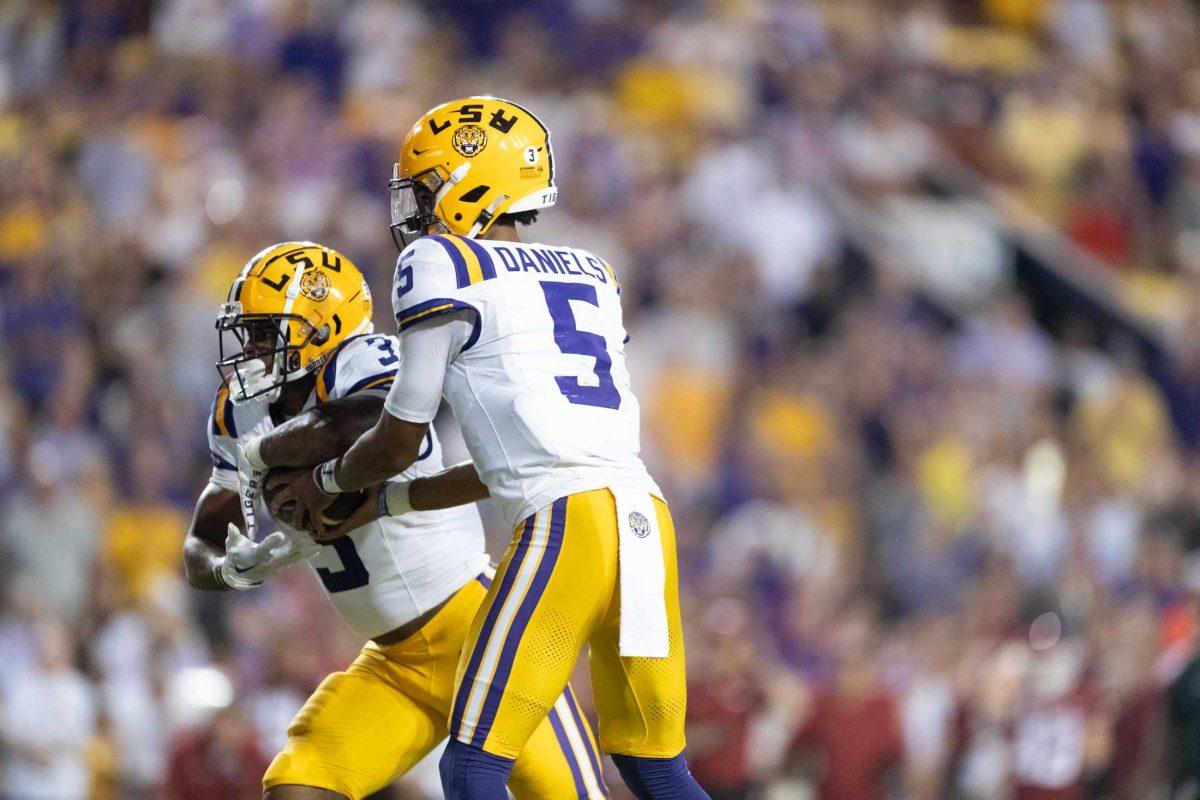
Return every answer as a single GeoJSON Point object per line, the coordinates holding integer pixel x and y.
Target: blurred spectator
{"type": "Point", "coordinates": [1060, 740]}
{"type": "Point", "coordinates": [219, 760]}
{"type": "Point", "coordinates": [49, 722]}
{"type": "Point", "coordinates": [852, 731]}
{"type": "Point", "coordinates": [50, 526]}
{"type": "Point", "coordinates": [144, 537]}
{"type": "Point", "coordinates": [724, 699]}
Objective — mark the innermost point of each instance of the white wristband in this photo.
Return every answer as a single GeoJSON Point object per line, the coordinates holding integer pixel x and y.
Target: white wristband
{"type": "Point", "coordinates": [395, 498]}
{"type": "Point", "coordinates": [252, 452]}
{"type": "Point", "coordinates": [324, 475]}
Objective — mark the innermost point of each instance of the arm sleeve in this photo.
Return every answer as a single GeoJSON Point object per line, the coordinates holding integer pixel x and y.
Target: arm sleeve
{"type": "Point", "coordinates": [425, 355]}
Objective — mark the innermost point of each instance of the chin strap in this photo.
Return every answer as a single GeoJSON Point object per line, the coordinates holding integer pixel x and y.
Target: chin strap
{"type": "Point", "coordinates": [485, 217]}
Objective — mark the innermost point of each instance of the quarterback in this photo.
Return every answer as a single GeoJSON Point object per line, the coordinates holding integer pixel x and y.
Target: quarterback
{"type": "Point", "coordinates": [305, 376]}
{"type": "Point", "coordinates": [526, 344]}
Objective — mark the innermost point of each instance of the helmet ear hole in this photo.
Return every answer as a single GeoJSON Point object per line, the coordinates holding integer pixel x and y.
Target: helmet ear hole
{"type": "Point", "coordinates": [476, 194]}
{"type": "Point", "coordinates": [322, 335]}
{"type": "Point", "coordinates": [293, 361]}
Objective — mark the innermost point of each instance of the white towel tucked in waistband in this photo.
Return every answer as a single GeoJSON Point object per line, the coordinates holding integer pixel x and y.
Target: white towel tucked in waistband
{"type": "Point", "coordinates": [643, 576]}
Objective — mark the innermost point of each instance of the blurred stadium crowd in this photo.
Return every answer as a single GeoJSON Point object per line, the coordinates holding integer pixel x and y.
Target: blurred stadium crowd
{"type": "Point", "coordinates": [931, 547]}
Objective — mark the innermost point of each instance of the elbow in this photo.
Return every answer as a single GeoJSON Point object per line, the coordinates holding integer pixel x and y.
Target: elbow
{"type": "Point", "coordinates": [189, 573]}
{"type": "Point", "coordinates": [195, 564]}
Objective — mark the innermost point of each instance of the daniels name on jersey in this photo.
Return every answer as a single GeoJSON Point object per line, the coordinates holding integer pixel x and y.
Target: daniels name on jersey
{"type": "Point", "coordinates": [391, 571]}
{"type": "Point", "coordinates": [540, 386]}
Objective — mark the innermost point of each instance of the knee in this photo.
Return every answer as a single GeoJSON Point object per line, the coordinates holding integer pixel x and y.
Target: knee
{"type": "Point", "coordinates": [469, 773]}
{"type": "Point", "coordinates": [659, 778]}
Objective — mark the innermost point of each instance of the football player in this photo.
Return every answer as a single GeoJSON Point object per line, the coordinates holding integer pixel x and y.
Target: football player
{"type": "Point", "coordinates": [526, 343]}
{"type": "Point", "coordinates": [305, 377]}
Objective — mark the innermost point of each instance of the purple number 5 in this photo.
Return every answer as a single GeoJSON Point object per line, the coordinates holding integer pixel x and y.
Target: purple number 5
{"type": "Point", "coordinates": [574, 341]}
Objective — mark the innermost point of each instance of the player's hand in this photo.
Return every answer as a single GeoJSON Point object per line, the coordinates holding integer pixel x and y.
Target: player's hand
{"type": "Point", "coordinates": [295, 499]}
{"type": "Point", "coordinates": [247, 563]}
{"type": "Point", "coordinates": [366, 513]}
{"type": "Point", "coordinates": [278, 496]}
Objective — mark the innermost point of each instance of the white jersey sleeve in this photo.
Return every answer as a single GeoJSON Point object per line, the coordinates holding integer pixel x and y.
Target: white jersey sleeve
{"type": "Point", "coordinates": [426, 351]}
{"type": "Point", "coordinates": [222, 441]}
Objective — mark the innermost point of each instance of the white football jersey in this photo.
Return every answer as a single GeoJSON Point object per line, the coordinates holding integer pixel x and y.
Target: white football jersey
{"type": "Point", "coordinates": [540, 387]}
{"type": "Point", "coordinates": [391, 571]}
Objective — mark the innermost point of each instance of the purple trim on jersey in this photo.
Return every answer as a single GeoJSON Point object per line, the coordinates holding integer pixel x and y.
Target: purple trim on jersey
{"type": "Point", "coordinates": [516, 631]}
{"type": "Point", "coordinates": [564, 744]}
{"type": "Point", "coordinates": [484, 580]}
{"type": "Point", "coordinates": [593, 754]}
{"type": "Point", "coordinates": [487, 267]}
{"type": "Point", "coordinates": [489, 622]}
{"type": "Point", "coordinates": [221, 463]}
{"type": "Point", "coordinates": [390, 373]}
{"type": "Point", "coordinates": [460, 263]}
{"type": "Point", "coordinates": [431, 309]}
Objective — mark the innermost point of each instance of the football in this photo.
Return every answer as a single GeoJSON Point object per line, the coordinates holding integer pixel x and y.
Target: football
{"type": "Point", "coordinates": [281, 505]}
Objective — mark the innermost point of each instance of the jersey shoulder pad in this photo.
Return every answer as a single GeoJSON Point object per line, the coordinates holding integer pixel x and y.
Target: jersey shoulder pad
{"type": "Point", "coordinates": [433, 273]}
{"type": "Point", "coordinates": [365, 363]}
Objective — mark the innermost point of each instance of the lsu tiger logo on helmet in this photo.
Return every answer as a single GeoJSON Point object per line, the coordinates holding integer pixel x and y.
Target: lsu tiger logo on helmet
{"type": "Point", "coordinates": [289, 308]}
{"type": "Point", "coordinates": [314, 284]}
{"type": "Point", "coordinates": [469, 140]}
{"type": "Point", "coordinates": [465, 163]}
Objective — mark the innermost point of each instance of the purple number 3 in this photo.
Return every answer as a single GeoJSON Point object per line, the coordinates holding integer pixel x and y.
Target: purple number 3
{"type": "Point", "coordinates": [574, 341]}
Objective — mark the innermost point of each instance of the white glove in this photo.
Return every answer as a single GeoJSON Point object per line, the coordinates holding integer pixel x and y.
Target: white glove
{"type": "Point", "coordinates": [252, 470]}
{"type": "Point", "coordinates": [247, 563]}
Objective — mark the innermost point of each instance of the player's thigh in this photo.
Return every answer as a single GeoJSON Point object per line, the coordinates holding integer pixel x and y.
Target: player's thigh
{"type": "Point", "coordinates": [561, 759]}
{"type": "Point", "coordinates": [641, 702]}
{"type": "Point", "coordinates": [355, 735]}
{"type": "Point", "coordinates": [526, 637]}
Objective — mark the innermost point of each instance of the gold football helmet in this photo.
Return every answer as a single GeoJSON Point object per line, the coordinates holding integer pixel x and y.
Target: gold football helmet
{"type": "Point", "coordinates": [465, 163]}
{"type": "Point", "coordinates": [287, 311]}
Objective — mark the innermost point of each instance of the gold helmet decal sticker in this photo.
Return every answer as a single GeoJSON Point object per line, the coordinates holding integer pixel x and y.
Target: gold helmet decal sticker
{"type": "Point", "coordinates": [469, 140]}
{"type": "Point", "coordinates": [314, 284]}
